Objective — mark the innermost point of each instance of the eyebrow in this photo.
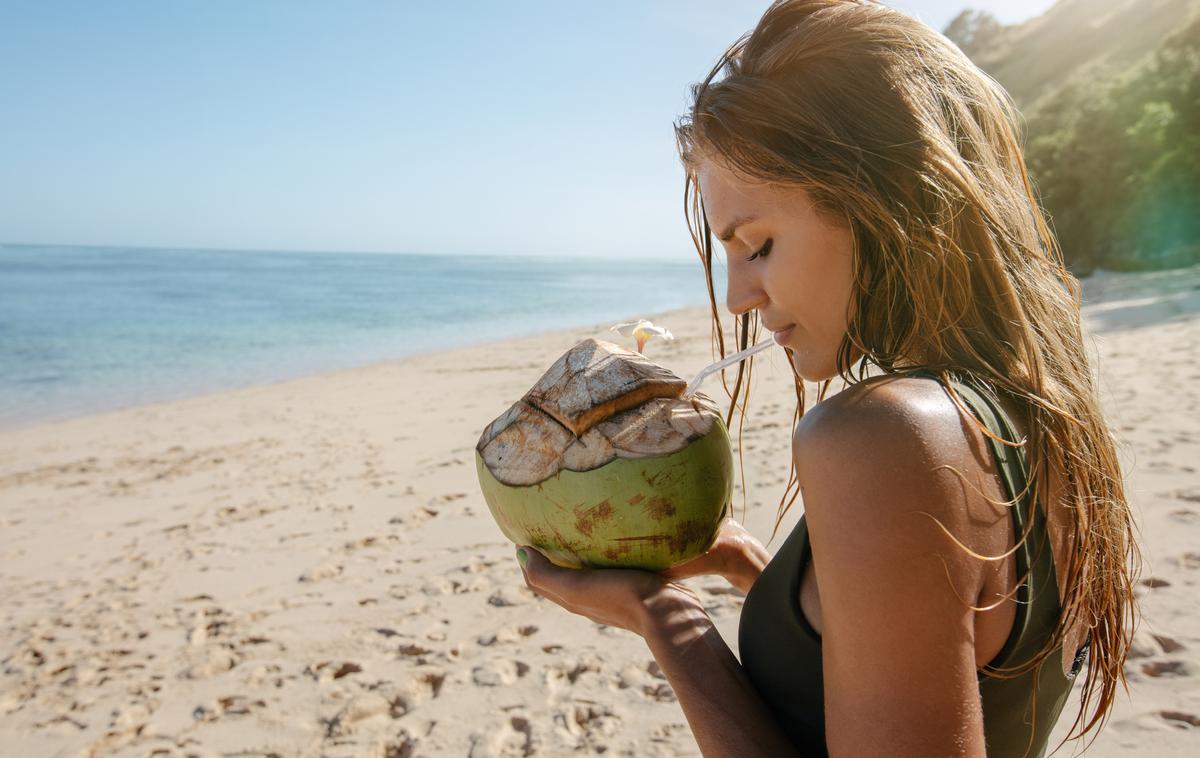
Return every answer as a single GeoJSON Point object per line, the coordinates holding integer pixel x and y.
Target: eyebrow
{"type": "Point", "coordinates": [727, 233]}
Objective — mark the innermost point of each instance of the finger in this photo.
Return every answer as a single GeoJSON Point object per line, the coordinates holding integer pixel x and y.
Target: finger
{"type": "Point", "coordinates": [571, 588]}
{"type": "Point", "coordinates": [708, 563]}
{"type": "Point", "coordinates": [526, 554]}
{"type": "Point", "coordinates": [541, 574]}
{"type": "Point", "coordinates": [537, 565]}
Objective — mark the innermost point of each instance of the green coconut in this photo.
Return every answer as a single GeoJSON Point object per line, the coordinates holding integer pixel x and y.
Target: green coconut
{"type": "Point", "coordinates": [604, 463]}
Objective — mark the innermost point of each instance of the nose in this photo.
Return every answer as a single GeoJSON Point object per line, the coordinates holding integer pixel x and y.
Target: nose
{"type": "Point", "coordinates": [744, 292]}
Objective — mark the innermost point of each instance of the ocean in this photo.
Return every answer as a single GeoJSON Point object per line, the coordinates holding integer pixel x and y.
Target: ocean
{"type": "Point", "coordinates": [85, 329]}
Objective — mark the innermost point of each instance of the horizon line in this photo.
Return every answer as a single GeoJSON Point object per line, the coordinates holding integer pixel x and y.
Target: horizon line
{"type": "Point", "coordinates": [194, 249]}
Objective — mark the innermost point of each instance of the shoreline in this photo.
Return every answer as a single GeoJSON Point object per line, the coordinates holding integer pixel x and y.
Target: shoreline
{"type": "Point", "coordinates": [331, 373]}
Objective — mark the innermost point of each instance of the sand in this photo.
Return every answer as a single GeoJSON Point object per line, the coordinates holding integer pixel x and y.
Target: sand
{"type": "Point", "coordinates": [308, 567]}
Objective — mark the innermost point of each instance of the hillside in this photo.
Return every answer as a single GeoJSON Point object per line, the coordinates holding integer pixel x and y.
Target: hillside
{"type": "Point", "coordinates": [1034, 59]}
{"type": "Point", "coordinates": [1110, 90]}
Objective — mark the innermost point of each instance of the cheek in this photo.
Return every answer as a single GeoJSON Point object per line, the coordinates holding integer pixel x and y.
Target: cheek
{"type": "Point", "coordinates": [845, 291]}
{"type": "Point", "coordinates": [824, 302]}
{"type": "Point", "coordinates": [833, 289]}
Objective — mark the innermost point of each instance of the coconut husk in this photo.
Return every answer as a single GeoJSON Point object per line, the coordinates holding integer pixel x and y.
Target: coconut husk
{"type": "Point", "coordinates": [597, 402]}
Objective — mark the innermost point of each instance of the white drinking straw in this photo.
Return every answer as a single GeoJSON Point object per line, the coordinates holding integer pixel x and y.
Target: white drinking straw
{"type": "Point", "coordinates": [735, 358]}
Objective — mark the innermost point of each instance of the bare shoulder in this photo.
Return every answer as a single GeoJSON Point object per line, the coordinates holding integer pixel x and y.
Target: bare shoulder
{"type": "Point", "coordinates": [880, 422]}
{"type": "Point", "coordinates": [894, 456]}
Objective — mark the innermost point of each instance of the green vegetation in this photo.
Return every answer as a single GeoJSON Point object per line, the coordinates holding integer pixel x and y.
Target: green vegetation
{"type": "Point", "coordinates": [1112, 135]}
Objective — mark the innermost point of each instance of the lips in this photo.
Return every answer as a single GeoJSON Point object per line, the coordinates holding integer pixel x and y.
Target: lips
{"type": "Point", "coordinates": [782, 335]}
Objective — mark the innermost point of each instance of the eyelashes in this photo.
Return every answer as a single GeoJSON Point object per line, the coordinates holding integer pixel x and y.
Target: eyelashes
{"type": "Point", "coordinates": [762, 251]}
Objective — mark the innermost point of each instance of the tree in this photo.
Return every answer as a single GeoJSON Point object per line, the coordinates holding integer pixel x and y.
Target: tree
{"type": "Point", "coordinates": [973, 31]}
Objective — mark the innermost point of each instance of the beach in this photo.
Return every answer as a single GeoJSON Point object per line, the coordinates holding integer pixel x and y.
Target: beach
{"type": "Point", "coordinates": [308, 567]}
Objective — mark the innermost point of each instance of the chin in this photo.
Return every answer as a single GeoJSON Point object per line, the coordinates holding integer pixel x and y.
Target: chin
{"type": "Point", "coordinates": [814, 369]}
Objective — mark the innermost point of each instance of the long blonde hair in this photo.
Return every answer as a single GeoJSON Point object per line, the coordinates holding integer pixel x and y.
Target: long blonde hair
{"type": "Point", "coordinates": [894, 132]}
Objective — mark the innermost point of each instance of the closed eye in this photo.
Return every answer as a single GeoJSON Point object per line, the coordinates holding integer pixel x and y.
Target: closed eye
{"type": "Point", "coordinates": [762, 251]}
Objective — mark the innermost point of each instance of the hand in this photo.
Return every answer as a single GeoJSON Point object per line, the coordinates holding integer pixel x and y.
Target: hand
{"type": "Point", "coordinates": [627, 598]}
{"type": "Point", "coordinates": [735, 554]}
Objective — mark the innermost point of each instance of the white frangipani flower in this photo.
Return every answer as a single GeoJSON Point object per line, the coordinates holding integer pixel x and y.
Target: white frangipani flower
{"type": "Point", "coordinates": [641, 330]}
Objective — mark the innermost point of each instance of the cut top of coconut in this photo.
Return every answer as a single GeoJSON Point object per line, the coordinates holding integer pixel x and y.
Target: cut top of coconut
{"type": "Point", "coordinates": [595, 380]}
{"type": "Point", "coordinates": [596, 403]}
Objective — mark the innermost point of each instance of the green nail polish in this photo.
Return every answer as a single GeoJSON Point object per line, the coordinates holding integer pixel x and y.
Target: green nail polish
{"type": "Point", "coordinates": [522, 557]}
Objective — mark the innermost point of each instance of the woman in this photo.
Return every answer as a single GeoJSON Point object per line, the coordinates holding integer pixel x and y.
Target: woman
{"type": "Point", "coordinates": [966, 542]}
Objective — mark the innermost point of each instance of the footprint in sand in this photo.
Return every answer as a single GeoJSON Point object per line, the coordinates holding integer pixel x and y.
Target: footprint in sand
{"type": "Point", "coordinates": [1190, 560]}
{"type": "Point", "coordinates": [647, 679]}
{"type": "Point", "coordinates": [208, 623]}
{"type": "Point", "coordinates": [506, 635]}
{"type": "Point", "coordinates": [445, 586]}
{"type": "Point", "coordinates": [1144, 646]}
{"type": "Point", "coordinates": [1158, 669]}
{"type": "Point", "coordinates": [367, 709]}
{"type": "Point", "coordinates": [209, 660]}
{"type": "Point", "coordinates": [414, 517]}
{"type": "Point", "coordinates": [1180, 719]}
{"type": "Point", "coordinates": [62, 725]}
{"type": "Point", "coordinates": [435, 634]}
{"type": "Point", "coordinates": [321, 572]}
{"type": "Point", "coordinates": [415, 653]}
{"type": "Point", "coordinates": [403, 745]}
{"type": "Point", "coordinates": [497, 672]}
{"type": "Point", "coordinates": [510, 596]}
{"type": "Point", "coordinates": [422, 687]}
{"type": "Point", "coordinates": [423, 655]}
{"type": "Point", "coordinates": [1168, 644]}
{"type": "Point", "coordinates": [588, 722]}
{"type": "Point", "coordinates": [481, 564]}
{"type": "Point", "coordinates": [668, 732]}
{"type": "Point", "coordinates": [267, 675]}
{"type": "Point", "coordinates": [1185, 516]}
{"type": "Point", "coordinates": [512, 738]}
{"type": "Point", "coordinates": [660, 693]}
{"type": "Point", "coordinates": [226, 707]}
{"type": "Point", "coordinates": [1190, 495]}
{"type": "Point", "coordinates": [558, 676]}
{"type": "Point", "coordinates": [327, 671]}
{"type": "Point", "coordinates": [351, 546]}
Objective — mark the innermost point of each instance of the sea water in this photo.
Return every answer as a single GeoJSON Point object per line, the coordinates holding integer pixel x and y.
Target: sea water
{"type": "Point", "coordinates": [84, 329]}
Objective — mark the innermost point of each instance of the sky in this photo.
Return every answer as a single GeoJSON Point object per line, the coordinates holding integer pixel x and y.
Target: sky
{"type": "Point", "coordinates": [539, 127]}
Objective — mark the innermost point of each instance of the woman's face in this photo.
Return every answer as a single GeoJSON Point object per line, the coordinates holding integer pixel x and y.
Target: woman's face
{"type": "Point", "coordinates": [786, 261]}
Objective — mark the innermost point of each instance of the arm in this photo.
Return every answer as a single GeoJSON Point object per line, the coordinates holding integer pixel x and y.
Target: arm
{"type": "Point", "coordinates": [724, 711]}
{"type": "Point", "coordinates": [726, 715]}
{"type": "Point", "coordinates": [896, 593]}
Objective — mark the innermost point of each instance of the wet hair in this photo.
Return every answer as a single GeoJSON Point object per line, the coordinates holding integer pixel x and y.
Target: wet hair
{"type": "Point", "coordinates": [894, 133]}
